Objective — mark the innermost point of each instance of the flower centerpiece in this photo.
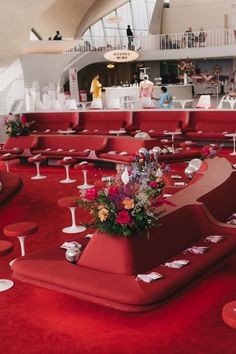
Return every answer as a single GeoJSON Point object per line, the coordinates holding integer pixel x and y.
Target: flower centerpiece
{"type": "Point", "coordinates": [185, 68]}
{"type": "Point", "coordinates": [127, 204]}
{"type": "Point", "coordinates": [16, 125]}
{"type": "Point", "coordinates": [211, 151]}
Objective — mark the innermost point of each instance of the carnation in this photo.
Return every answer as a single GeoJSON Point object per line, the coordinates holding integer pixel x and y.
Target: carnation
{"type": "Point", "coordinates": [123, 217]}
{"type": "Point", "coordinates": [91, 194]}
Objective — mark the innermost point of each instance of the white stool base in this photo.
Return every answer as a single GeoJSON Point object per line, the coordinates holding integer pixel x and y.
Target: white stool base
{"type": "Point", "coordinates": [68, 180]}
{"type": "Point", "coordinates": [74, 229]}
{"type": "Point", "coordinates": [38, 177]}
{"type": "Point", "coordinates": [233, 153]}
{"type": "Point", "coordinates": [85, 186]}
{"type": "Point", "coordinates": [5, 284]}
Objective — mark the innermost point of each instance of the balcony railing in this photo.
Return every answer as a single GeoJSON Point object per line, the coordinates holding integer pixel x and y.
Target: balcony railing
{"type": "Point", "coordinates": [170, 41]}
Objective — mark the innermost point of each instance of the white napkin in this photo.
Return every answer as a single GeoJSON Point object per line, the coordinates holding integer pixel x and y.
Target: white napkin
{"type": "Point", "coordinates": [148, 278]}
{"type": "Point", "coordinates": [34, 131]}
{"type": "Point", "coordinates": [89, 236]}
{"type": "Point", "coordinates": [167, 195]}
{"type": "Point", "coordinates": [199, 131]}
{"type": "Point", "coordinates": [83, 163]}
{"type": "Point", "coordinates": [176, 264]}
{"type": "Point", "coordinates": [48, 149]}
{"type": "Point", "coordinates": [68, 245]}
{"type": "Point", "coordinates": [85, 130]}
{"type": "Point", "coordinates": [138, 131]}
{"type": "Point", "coordinates": [151, 131]}
{"type": "Point", "coordinates": [176, 177]}
{"type": "Point", "coordinates": [179, 184]}
{"type": "Point", "coordinates": [67, 158]}
{"type": "Point", "coordinates": [214, 238]}
{"type": "Point", "coordinates": [36, 156]}
{"type": "Point", "coordinates": [196, 250]}
{"type": "Point", "coordinates": [15, 148]}
{"type": "Point", "coordinates": [47, 130]}
{"type": "Point", "coordinates": [96, 130]}
{"type": "Point", "coordinates": [123, 153]}
{"type": "Point", "coordinates": [6, 155]}
{"type": "Point", "coordinates": [72, 150]}
{"type": "Point", "coordinates": [224, 132]}
{"type": "Point", "coordinates": [59, 150]}
{"type": "Point", "coordinates": [188, 142]}
{"type": "Point", "coordinates": [112, 152]}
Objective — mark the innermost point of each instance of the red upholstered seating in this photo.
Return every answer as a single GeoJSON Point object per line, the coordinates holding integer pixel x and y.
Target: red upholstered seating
{"type": "Point", "coordinates": [74, 146]}
{"type": "Point", "coordinates": [20, 229]}
{"type": "Point", "coordinates": [229, 314]}
{"type": "Point", "coordinates": [124, 144]}
{"type": "Point", "coordinates": [210, 125]}
{"type": "Point", "coordinates": [16, 146]}
{"type": "Point", "coordinates": [6, 247]}
{"type": "Point", "coordinates": [36, 158]}
{"type": "Point", "coordinates": [72, 204]}
{"type": "Point", "coordinates": [155, 122]}
{"type": "Point", "coordinates": [11, 183]}
{"type": "Point", "coordinates": [52, 121]}
{"type": "Point", "coordinates": [101, 122]}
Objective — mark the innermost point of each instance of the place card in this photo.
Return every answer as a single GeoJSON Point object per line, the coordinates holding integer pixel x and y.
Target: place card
{"type": "Point", "coordinates": [179, 183]}
{"type": "Point", "coordinates": [67, 158]}
{"type": "Point", "coordinates": [123, 153]}
{"type": "Point", "coordinates": [83, 163]}
{"type": "Point", "coordinates": [6, 155]}
{"type": "Point", "coordinates": [176, 264]}
{"type": "Point", "coordinates": [85, 130]}
{"type": "Point", "coordinates": [59, 150]}
{"type": "Point", "coordinates": [148, 278]}
{"type": "Point", "coordinates": [175, 177]}
{"type": "Point", "coordinates": [112, 152]}
{"type": "Point", "coordinates": [214, 238]}
{"type": "Point", "coordinates": [89, 236]}
{"type": "Point", "coordinates": [68, 245]}
{"type": "Point", "coordinates": [72, 150]}
{"type": "Point", "coordinates": [48, 149]}
{"type": "Point", "coordinates": [196, 250]}
{"type": "Point", "coordinates": [47, 130]}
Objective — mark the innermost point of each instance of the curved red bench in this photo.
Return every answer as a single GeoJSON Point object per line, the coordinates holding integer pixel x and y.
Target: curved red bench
{"type": "Point", "coordinates": [11, 184]}
{"type": "Point", "coordinates": [19, 145]}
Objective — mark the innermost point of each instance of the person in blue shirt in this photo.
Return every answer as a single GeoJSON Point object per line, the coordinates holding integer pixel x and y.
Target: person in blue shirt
{"type": "Point", "coordinates": [166, 101]}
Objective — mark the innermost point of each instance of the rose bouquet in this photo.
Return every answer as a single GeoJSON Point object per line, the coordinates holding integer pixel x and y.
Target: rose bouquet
{"type": "Point", "coordinates": [127, 204]}
{"type": "Point", "coordinates": [16, 125]}
{"type": "Point", "coordinates": [185, 66]}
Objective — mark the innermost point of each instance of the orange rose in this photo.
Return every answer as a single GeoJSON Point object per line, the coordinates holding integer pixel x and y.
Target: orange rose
{"type": "Point", "coordinates": [103, 214]}
{"type": "Point", "coordinates": [128, 203]}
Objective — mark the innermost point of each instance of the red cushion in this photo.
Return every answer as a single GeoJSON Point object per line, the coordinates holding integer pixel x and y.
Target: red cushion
{"type": "Point", "coordinates": [14, 151]}
{"type": "Point", "coordinates": [5, 248]}
{"type": "Point", "coordinates": [66, 162]}
{"type": "Point", "coordinates": [68, 202]}
{"type": "Point", "coordinates": [37, 159]}
{"type": "Point", "coordinates": [7, 158]}
{"type": "Point", "coordinates": [11, 183]}
{"type": "Point", "coordinates": [20, 229]}
{"type": "Point", "coordinates": [87, 166]}
{"type": "Point", "coordinates": [22, 142]}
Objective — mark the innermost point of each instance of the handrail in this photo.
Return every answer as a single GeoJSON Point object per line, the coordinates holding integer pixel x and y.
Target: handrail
{"type": "Point", "coordinates": [170, 41]}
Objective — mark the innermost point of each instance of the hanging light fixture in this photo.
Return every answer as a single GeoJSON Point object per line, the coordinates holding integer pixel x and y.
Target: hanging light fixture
{"type": "Point", "coordinates": [110, 66]}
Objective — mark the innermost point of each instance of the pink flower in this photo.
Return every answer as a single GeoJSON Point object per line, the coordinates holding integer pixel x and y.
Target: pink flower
{"type": "Point", "coordinates": [113, 190]}
{"type": "Point", "coordinates": [153, 184]}
{"type": "Point", "coordinates": [23, 119]}
{"type": "Point", "coordinates": [123, 217]}
{"type": "Point", "coordinates": [91, 194]}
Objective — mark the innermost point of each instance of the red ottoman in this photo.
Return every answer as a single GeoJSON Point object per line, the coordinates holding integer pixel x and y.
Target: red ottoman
{"type": "Point", "coordinates": [20, 230]}
{"type": "Point", "coordinates": [229, 314]}
{"type": "Point", "coordinates": [37, 159]}
{"type": "Point", "coordinates": [85, 167]}
{"type": "Point", "coordinates": [67, 162]}
{"type": "Point", "coordinates": [5, 248]}
{"type": "Point", "coordinates": [6, 158]}
{"type": "Point", "coordinates": [71, 203]}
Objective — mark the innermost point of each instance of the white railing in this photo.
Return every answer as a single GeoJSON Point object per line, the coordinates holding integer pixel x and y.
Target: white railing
{"type": "Point", "coordinates": [170, 41]}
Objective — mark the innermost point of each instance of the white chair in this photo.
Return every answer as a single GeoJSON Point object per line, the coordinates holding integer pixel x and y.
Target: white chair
{"type": "Point", "coordinates": [204, 102]}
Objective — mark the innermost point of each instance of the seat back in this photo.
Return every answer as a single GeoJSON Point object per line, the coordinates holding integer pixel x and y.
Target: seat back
{"type": "Point", "coordinates": [22, 142]}
{"type": "Point", "coordinates": [71, 142]}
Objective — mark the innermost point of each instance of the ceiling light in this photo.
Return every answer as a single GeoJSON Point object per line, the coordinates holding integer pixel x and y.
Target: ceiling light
{"type": "Point", "coordinates": [110, 66]}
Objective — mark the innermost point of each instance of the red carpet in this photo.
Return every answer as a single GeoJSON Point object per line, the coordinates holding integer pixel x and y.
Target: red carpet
{"type": "Point", "coordinates": [36, 320]}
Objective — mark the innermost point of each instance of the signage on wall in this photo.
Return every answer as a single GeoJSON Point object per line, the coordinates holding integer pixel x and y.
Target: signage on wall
{"type": "Point", "coordinates": [73, 81]}
{"type": "Point", "coordinates": [121, 55]}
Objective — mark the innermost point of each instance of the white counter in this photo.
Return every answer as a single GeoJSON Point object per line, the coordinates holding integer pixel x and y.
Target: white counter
{"type": "Point", "coordinates": [132, 93]}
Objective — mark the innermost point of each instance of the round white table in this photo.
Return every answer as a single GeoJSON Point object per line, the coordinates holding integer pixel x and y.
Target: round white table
{"type": "Point", "coordinates": [232, 135]}
{"type": "Point", "coordinates": [172, 137]}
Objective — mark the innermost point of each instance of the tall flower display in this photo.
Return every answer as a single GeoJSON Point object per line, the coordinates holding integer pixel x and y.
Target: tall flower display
{"type": "Point", "coordinates": [185, 66]}
{"type": "Point", "coordinates": [127, 204]}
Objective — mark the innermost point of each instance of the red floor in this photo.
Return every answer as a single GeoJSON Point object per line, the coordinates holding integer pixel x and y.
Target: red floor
{"type": "Point", "coordinates": [36, 320]}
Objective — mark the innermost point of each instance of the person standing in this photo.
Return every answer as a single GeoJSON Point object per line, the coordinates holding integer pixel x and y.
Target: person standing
{"type": "Point", "coordinates": [96, 90]}
{"type": "Point", "coordinates": [58, 36]}
{"type": "Point", "coordinates": [130, 36]}
{"type": "Point", "coordinates": [166, 100]}
{"type": "Point", "coordinates": [146, 88]}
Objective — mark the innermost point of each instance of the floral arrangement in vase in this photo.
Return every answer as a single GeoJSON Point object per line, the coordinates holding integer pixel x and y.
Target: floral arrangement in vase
{"type": "Point", "coordinates": [16, 125]}
{"type": "Point", "coordinates": [185, 66]}
{"type": "Point", "coordinates": [211, 151]}
{"type": "Point", "coordinates": [127, 204]}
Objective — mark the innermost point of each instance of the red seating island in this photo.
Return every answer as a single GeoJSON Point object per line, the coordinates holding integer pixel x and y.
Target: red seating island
{"type": "Point", "coordinates": [106, 272]}
{"type": "Point", "coordinates": [11, 184]}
